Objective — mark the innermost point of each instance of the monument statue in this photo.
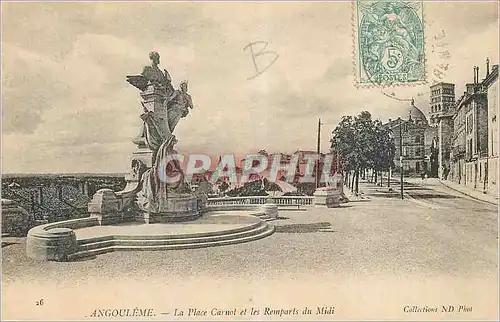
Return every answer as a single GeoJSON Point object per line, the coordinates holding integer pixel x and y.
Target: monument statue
{"type": "Point", "coordinates": [152, 75]}
{"type": "Point", "coordinates": [155, 193]}
{"type": "Point", "coordinates": [178, 104]}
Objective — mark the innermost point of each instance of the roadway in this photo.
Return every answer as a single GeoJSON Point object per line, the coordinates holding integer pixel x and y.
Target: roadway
{"type": "Point", "coordinates": [434, 247]}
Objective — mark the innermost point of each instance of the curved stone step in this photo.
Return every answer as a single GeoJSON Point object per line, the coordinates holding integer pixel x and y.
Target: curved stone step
{"type": "Point", "coordinates": [263, 216]}
{"type": "Point", "coordinates": [161, 240]}
{"type": "Point", "coordinates": [92, 240]}
{"type": "Point", "coordinates": [87, 253]}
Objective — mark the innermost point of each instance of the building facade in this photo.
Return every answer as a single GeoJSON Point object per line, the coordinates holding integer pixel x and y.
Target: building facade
{"type": "Point", "coordinates": [473, 155]}
{"type": "Point", "coordinates": [491, 83]}
{"type": "Point", "coordinates": [409, 135]}
{"type": "Point", "coordinates": [457, 173]}
{"type": "Point", "coordinates": [442, 100]}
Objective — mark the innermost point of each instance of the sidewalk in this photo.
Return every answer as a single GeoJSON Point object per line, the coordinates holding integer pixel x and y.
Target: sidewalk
{"type": "Point", "coordinates": [478, 195]}
{"type": "Point", "coordinates": [351, 196]}
{"type": "Point", "coordinates": [368, 189]}
{"type": "Point", "coordinates": [470, 192]}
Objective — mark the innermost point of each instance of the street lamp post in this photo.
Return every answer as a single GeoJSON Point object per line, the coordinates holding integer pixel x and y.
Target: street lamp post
{"type": "Point", "coordinates": [401, 155]}
{"type": "Point", "coordinates": [318, 150]}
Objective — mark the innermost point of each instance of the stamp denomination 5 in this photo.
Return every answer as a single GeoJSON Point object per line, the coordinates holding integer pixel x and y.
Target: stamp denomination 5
{"type": "Point", "coordinates": [388, 42]}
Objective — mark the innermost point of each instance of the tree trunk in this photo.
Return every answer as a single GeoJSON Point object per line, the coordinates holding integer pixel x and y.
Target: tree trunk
{"type": "Point", "coordinates": [357, 181]}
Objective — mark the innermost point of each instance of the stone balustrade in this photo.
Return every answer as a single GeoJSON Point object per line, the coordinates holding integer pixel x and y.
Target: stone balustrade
{"type": "Point", "coordinates": [260, 200]}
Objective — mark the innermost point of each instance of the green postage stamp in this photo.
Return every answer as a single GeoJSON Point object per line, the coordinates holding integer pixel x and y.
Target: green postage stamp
{"type": "Point", "coordinates": [388, 43]}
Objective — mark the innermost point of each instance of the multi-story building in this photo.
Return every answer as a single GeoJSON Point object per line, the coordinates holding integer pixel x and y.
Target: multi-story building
{"type": "Point", "coordinates": [491, 83]}
{"type": "Point", "coordinates": [458, 145]}
{"type": "Point", "coordinates": [409, 138]}
{"type": "Point", "coordinates": [470, 138]}
{"type": "Point", "coordinates": [442, 101]}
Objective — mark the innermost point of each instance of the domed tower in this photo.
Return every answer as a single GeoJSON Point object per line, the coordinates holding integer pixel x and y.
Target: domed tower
{"type": "Point", "coordinates": [409, 138]}
{"type": "Point", "coordinates": [416, 115]}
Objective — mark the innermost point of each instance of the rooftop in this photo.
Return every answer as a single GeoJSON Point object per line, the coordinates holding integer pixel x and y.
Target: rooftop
{"type": "Point", "coordinates": [442, 84]}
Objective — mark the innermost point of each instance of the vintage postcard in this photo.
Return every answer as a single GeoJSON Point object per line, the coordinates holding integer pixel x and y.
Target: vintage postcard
{"type": "Point", "coordinates": [194, 161]}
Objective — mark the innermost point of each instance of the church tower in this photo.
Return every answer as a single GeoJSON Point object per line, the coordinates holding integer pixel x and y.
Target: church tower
{"type": "Point", "coordinates": [442, 101]}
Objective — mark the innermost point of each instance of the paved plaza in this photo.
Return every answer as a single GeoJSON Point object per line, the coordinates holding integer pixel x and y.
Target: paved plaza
{"type": "Point", "coordinates": [373, 256]}
{"type": "Point", "coordinates": [212, 223]}
{"type": "Point", "coordinates": [433, 231]}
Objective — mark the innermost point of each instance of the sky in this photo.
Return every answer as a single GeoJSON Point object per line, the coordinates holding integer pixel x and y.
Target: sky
{"type": "Point", "coordinates": [66, 106]}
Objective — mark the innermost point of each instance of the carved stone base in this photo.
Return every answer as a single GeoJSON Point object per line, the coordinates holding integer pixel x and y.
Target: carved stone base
{"type": "Point", "coordinates": [173, 208]}
{"type": "Point", "coordinates": [326, 197]}
{"type": "Point", "coordinates": [105, 207]}
{"type": "Point", "coordinates": [143, 154]}
{"type": "Point", "coordinates": [54, 245]}
{"type": "Point", "coordinates": [270, 209]}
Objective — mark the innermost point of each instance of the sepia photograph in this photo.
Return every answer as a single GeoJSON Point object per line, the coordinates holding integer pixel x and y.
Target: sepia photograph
{"type": "Point", "coordinates": [249, 161]}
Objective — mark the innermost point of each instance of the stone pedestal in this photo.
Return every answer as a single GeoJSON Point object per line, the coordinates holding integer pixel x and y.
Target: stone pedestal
{"type": "Point", "coordinates": [270, 209]}
{"type": "Point", "coordinates": [105, 206]}
{"type": "Point", "coordinates": [326, 197]}
{"type": "Point", "coordinates": [143, 153]}
{"type": "Point", "coordinates": [153, 99]}
{"type": "Point", "coordinates": [173, 208]}
{"type": "Point", "coordinates": [202, 200]}
{"type": "Point", "coordinates": [54, 245]}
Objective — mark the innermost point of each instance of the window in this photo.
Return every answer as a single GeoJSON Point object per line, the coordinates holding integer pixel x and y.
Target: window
{"type": "Point", "coordinates": [469, 123]}
{"type": "Point", "coordinates": [417, 139]}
